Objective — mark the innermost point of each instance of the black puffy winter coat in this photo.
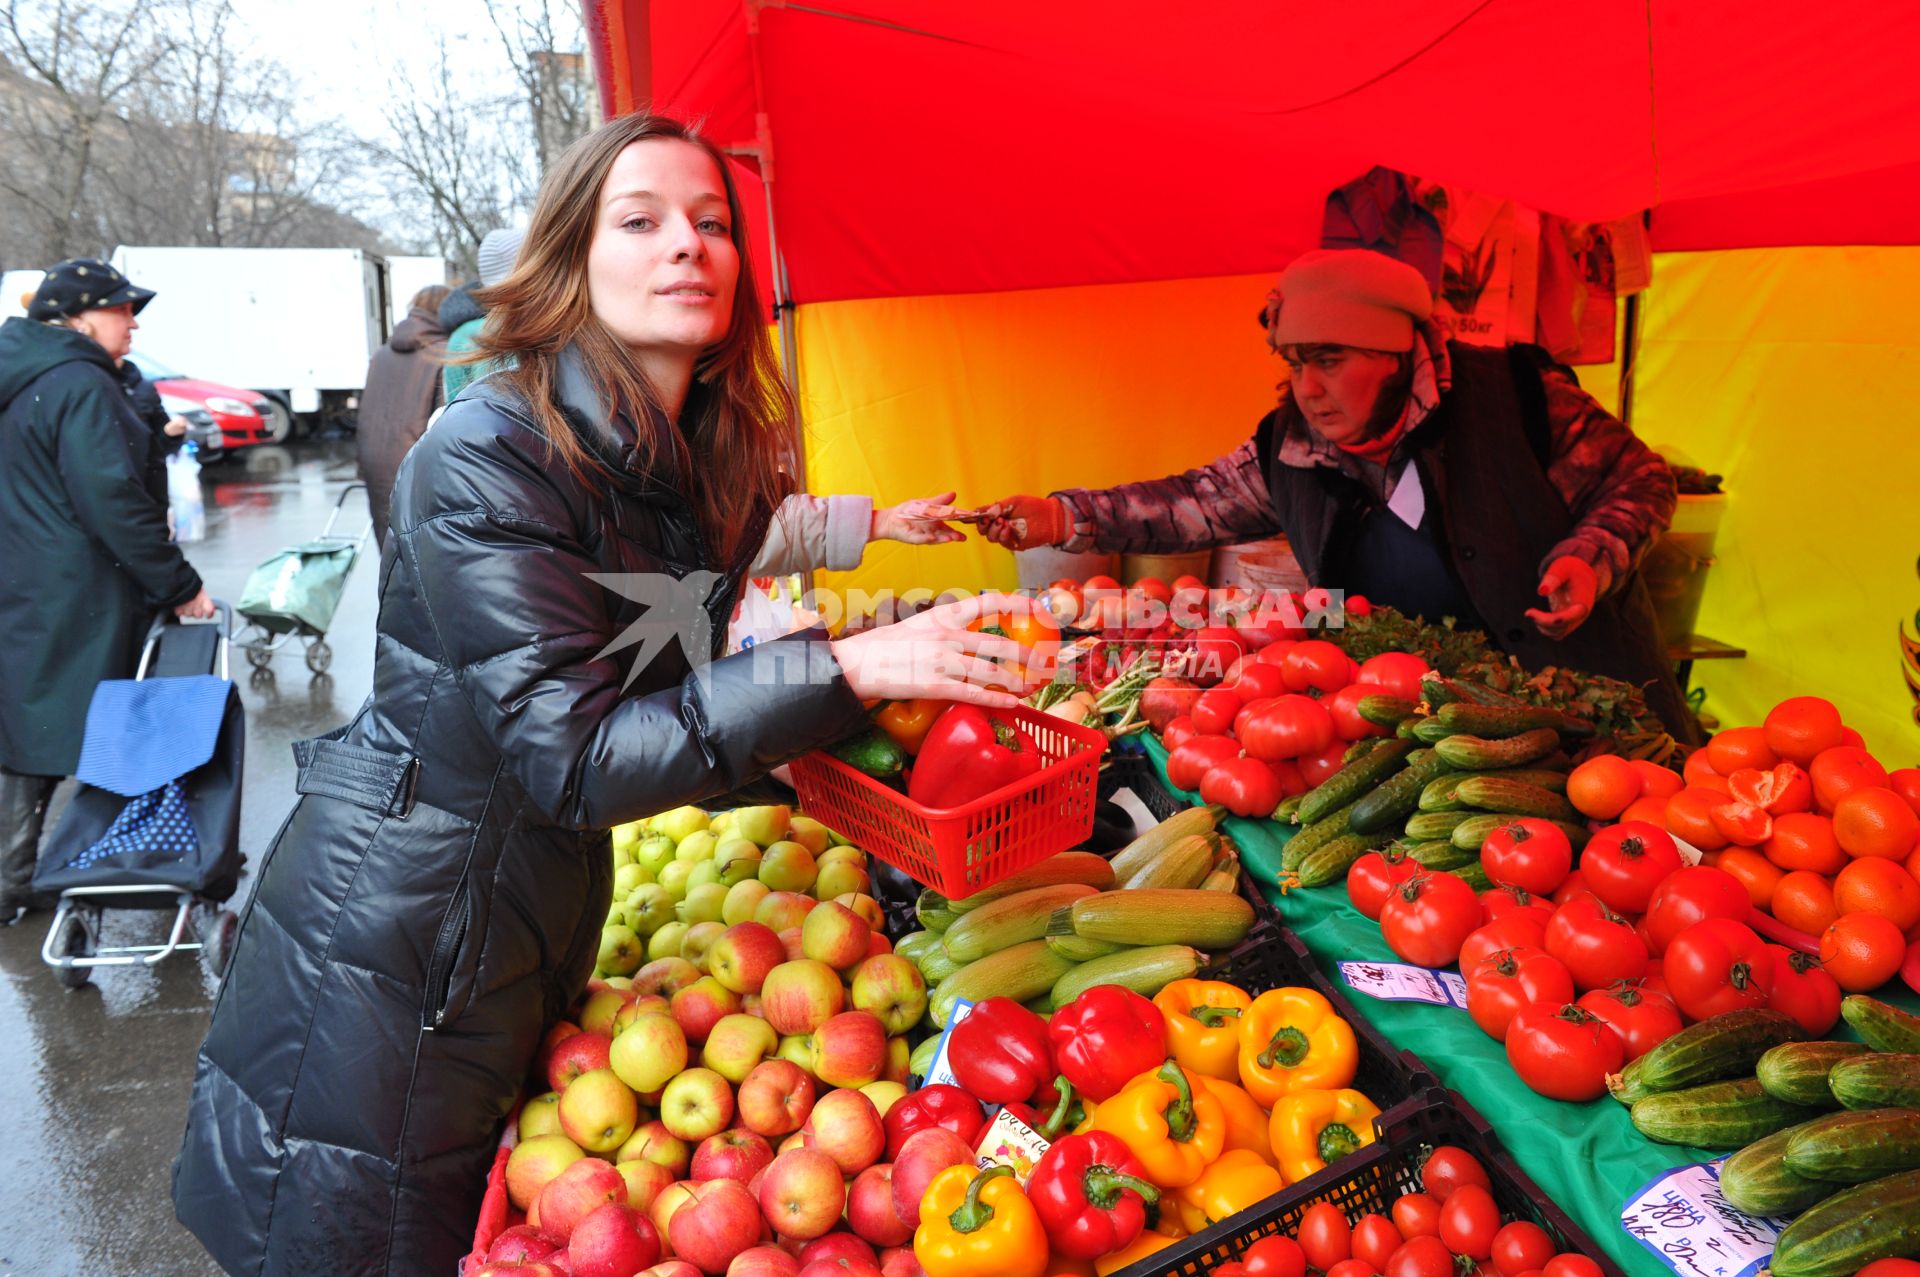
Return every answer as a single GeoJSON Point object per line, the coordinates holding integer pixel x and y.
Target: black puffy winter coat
{"type": "Point", "coordinates": [435, 899]}
{"type": "Point", "coordinates": [84, 557]}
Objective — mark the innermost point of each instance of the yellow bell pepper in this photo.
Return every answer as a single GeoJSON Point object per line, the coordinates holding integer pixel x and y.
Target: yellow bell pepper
{"type": "Point", "coordinates": [1312, 1128]}
{"type": "Point", "coordinates": [1247, 1125]}
{"type": "Point", "coordinates": [1238, 1180]}
{"type": "Point", "coordinates": [1203, 1025]}
{"type": "Point", "coordinates": [908, 722]}
{"type": "Point", "coordinates": [1067, 1266]}
{"type": "Point", "coordinates": [976, 1223]}
{"type": "Point", "coordinates": [1292, 1040]}
{"type": "Point", "coordinates": [1145, 1244]}
{"type": "Point", "coordinates": [1174, 1127]}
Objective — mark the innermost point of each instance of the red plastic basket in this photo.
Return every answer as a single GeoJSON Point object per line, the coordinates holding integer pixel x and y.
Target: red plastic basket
{"type": "Point", "coordinates": [959, 850]}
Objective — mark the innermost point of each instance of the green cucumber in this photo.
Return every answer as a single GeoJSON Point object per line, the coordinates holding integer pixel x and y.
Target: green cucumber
{"type": "Point", "coordinates": [1386, 711]}
{"type": "Point", "coordinates": [1354, 780]}
{"type": "Point", "coordinates": [1876, 1081]}
{"type": "Point", "coordinates": [1496, 793]}
{"type": "Point", "coordinates": [1428, 825]}
{"type": "Point", "coordinates": [1475, 831]}
{"type": "Point", "coordinates": [1389, 806]}
{"type": "Point", "coordinates": [1329, 862]}
{"type": "Point", "coordinates": [1724, 1046]}
{"type": "Point", "coordinates": [1851, 1148]}
{"type": "Point", "coordinates": [1431, 731]}
{"type": "Point", "coordinates": [1851, 1229]}
{"type": "Point", "coordinates": [1797, 1071]}
{"type": "Point", "coordinates": [1716, 1115]}
{"type": "Point", "coordinates": [1499, 722]}
{"type": "Point", "coordinates": [1880, 1026]}
{"type": "Point", "coordinates": [873, 752]}
{"type": "Point", "coordinates": [1442, 854]}
{"type": "Point", "coordinates": [1315, 836]}
{"type": "Point", "coordinates": [1476, 753]}
{"type": "Point", "coordinates": [1756, 1180]}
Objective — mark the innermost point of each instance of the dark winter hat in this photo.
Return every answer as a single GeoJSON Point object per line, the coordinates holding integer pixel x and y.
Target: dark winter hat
{"type": "Point", "coordinates": [84, 283]}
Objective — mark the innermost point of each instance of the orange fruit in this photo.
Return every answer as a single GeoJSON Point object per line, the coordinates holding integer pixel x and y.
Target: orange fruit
{"type": "Point", "coordinates": [1800, 727]}
{"type": "Point", "coordinates": [1803, 840]}
{"type": "Point", "coordinates": [1742, 824]}
{"type": "Point", "coordinates": [1804, 901]}
{"type": "Point", "coordinates": [1650, 809]}
{"type": "Point", "coordinates": [1739, 747]}
{"type": "Point", "coordinates": [1875, 822]}
{"type": "Point", "coordinates": [1873, 885]}
{"type": "Point", "coordinates": [1756, 873]}
{"type": "Point", "coordinates": [1698, 768]}
{"type": "Point", "coordinates": [1690, 816]}
{"type": "Point", "coordinates": [1603, 786]}
{"type": "Point", "coordinates": [1906, 783]}
{"type": "Point", "coordinates": [1839, 771]}
{"type": "Point", "coordinates": [1850, 737]}
{"type": "Point", "coordinates": [1656, 781]}
{"type": "Point", "coordinates": [1862, 951]}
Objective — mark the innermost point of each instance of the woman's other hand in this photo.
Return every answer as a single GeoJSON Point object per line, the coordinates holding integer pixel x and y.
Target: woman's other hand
{"type": "Point", "coordinates": [197, 608]}
{"type": "Point", "coordinates": [1570, 587]}
{"type": "Point", "coordinates": [1022, 522]}
{"type": "Point", "coordinates": [917, 522]}
{"type": "Point", "coordinates": [935, 655]}
{"type": "Point", "coordinates": [175, 427]}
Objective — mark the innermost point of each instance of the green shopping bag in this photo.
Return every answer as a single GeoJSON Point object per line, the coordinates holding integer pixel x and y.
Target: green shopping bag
{"type": "Point", "coordinates": [298, 589]}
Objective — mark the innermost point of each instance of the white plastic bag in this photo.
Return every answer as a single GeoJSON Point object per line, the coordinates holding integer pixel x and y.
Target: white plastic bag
{"type": "Point", "coordinates": [186, 504]}
{"type": "Point", "coordinates": [769, 608]}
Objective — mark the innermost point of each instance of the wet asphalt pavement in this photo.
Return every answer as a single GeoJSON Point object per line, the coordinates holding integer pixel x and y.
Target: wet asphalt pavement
{"type": "Point", "coordinates": [94, 1081]}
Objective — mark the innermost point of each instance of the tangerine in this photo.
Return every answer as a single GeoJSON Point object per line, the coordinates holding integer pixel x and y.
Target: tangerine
{"type": "Point", "coordinates": [1804, 840]}
{"type": "Point", "coordinates": [1906, 783]}
{"type": "Point", "coordinates": [1648, 808]}
{"type": "Point", "coordinates": [1862, 951]}
{"type": "Point", "coordinates": [1760, 876]}
{"type": "Point", "coordinates": [1739, 747]}
{"type": "Point", "coordinates": [1839, 771]}
{"type": "Point", "coordinates": [1603, 786]}
{"type": "Point", "coordinates": [1690, 817]}
{"type": "Point", "coordinates": [1873, 885]}
{"type": "Point", "coordinates": [1875, 822]}
{"type": "Point", "coordinates": [1799, 727]}
{"type": "Point", "coordinates": [1698, 768]}
{"type": "Point", "coordinates": [1803, 900]}
{"type": "Point", "coordinates": [1656, 781]}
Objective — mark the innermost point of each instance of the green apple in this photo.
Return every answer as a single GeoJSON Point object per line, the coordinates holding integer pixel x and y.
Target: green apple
{"type": "Point", "coordinates": [540, 1116]}
{"type": "Point", "coordinates": [649, 907]}
{"type": "Point", "coordinates": [700, 939]}
{"type": "Point", "coordinates": [679, 822]}
{"type": "Point", "coordinates": [620, 951]}
{"type": "Point", "coordinates": [655, 852]}
{"type": "Point", "coordinates": [703, 903]}
{"type": "Point", "coordinates": [798, 1048]}
{"type": "Point", "coordinates": [623, 856]}
{"type": "Point", "coordinates": [674, 878]}
{"type": "Point", "coordinates": [764, 825]}
{"type": "Point", "coordinates": [835, 855]}
{"type": "Point", "coordinates": [742, 899]}
{"type": "Point", "coordinates": [665, 943]}
{"type": "Point", "coordinates": [625, 836]}
{"type": "Point", "coordinates": [697, 846]}
{"type": "Point", "coordinates": [839, 879]}
{"type": "Point", "coordinates": [810, 833]}
{"type": "Point", "coordinates": [705, 874]}
{"type": "Point", "coordinates": [649, 1053]}
{"type": "Point", "coordinates": [625, 879]}
{"type": "Point", "coordinates": [866, 906]}
{"type": "Point", "coordinates": [722, 825]}
{"type": "Point", "coordinates": [736, 860]}
{"type": "Point", "coordinates": [787, 866]}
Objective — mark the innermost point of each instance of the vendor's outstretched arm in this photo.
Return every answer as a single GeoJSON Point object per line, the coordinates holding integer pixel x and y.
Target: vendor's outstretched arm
{"type": "Point", "coordinates": [1219, 503]}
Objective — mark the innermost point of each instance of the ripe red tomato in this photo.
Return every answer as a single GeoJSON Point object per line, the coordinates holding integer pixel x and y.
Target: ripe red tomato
{"type": "Point", "coordinates": [1468, 1221]}
{"type": "Point", "coordinates": [1428, 917]}
{"type": "Point", "coordinates": [1521, 1247]}
{"type": "Point", "coordinates": [1417, 1215]}
{"type": "Point", "coordinates": [1177, 732]}
{"type": "Point", "coordinates": [1374, 1241]}
{"type": "Point", "coordinates": [1598, 946]}
{"type": "Point", "coordinates": [1497, 902]}
{"type": "Point", "coordinates": [1447, 1168]}
{"type": "Point", "coordinates": [1622, 864]}
{"type": "Point", "coordinates": [1318, 665]}
{"type": "Point", "coordinates": [1373, 876]}
{"type": "Point", "coordinates": [1255, 681]}
{"type": "Point", "coordinates": [1804, 991]}
{"type": "Point", "coordinates": [1215, 647]}
{"type": "Point", "coordinates": [1570, 1265]}
{"type": "Point", "coordinates": [1395, 674]}
{"type": "Point", "coordinates": [1244, 786]}
{"type": "Point", "coordinates": [1353, 1268]}
{"type": "Point", "coordinates": [1718, 966]}
{"type": "Point", "coordinates": [1291, 781]}
{"type": "Point", "coordinates": [1572, 889]}
{"type": "Point", "coordinates": [1524, 929]}
{"type": "Point", "coordinates": [1214, 710]}
{"type": "Point", "coordinates": [1275, 653]}
{"type": "Point", "coordinates": [1564, 1053]}
{"type": "Point", "coordinates": [1422, 1256]}
{"type": "Point", "coordinates": [1245, 716]}
{"type": "Point", "coordinates": [1290, 726]}
{"type": "Point", "coordinates": [1890, 1268]}
{"type": "Point", "coordinates": [1194, 758]}
{"type": "Point", "coordinates": [1325, 1236]}
{"type": "Point", "coordinates": [1505, 983]}
{"type": "Point", "coordinates": [1639, 1019]}
{"type": "Point", "coordinates": [1690, 894]}
{"type": "Point", "coordinates": [1534, 855]}
{"type": "Point", "coordinates": [1275, 1256]}
{"type": "Point", "coordinates": [1321, 767]}
{"type": "Point", "coordinates": [1344, 705]}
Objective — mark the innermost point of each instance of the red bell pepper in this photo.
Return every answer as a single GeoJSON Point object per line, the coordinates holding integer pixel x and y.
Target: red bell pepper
{"type": "Point", "coordinates": [968, 754]}
{"type": "Point", "coordinates": [947, 1107]}
{"type": "Point", "coordinates": [1105, 1038]}
{"type": "Point", "coordinates": [999, 1053]}
{"type": "Point", "coordinates": [1066, 1114]}
{"type": "Point", "coordinates": [1091, 1194]}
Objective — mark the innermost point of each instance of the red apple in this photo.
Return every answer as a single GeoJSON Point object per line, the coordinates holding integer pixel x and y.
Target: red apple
{"type": "Point", "coordinates": [776, 1098]}
{"type": "Point", "coordinates": [645, 1004]}
{"type": "Point", "coordinates": [794, 943]}
{"type": "Point", "coordinates": [763, 1261]}
{"type": "Point", "coordinates": [598, 1111]}
{"type": "Point", "coordinates": [891, 989]}
{"type": "Point", "coordinates": [645, 1181]}
{"type": "Point", "coordinates": [612, 1241]}
{"type": "Point", "coordinates": [839, 1268]}
{"type": "Point", "coordinates": [870, 1208]}
{"type": "Point", "coordinates": [548, 1267]}
{"type": "Point", "coordinates": [703, 1004]}
{"type": "Point", "coordinates": [864, 907]}
{"type": "Point", "coordinates": [803, 1194]}
{"type": "Point", "coordinates": [799, 997]}
{"type": "Point", "coordinates": [793, 1141]}
{"type": "Point", "coordinates": [899, 1261]}
{"type": "Point", "coordinates": [576, 1192]}
{"type": "Point", "coordinates": [924, 1154]}
{"type": "Point", "coordinates": [534, 1164]}
{"type": "Point", "coordinates": [878, 944]}
{"type": "Point", "coordinates": [697, 1104]}
{"type": "Point", "coordinates": [665, 976]}
{"type": "Point", "coordinates": [838, 1248]}
{"type": "Point", "coordinates": [672, 1268]}
{"type": "Point", "coordinates": [899, 1063]}
{"type": "Point", "coordinates": [846, 1127]}
{"type": "Point", "coordinates": [742, 957]}
{"type": "Point", "coordinates": [782, 909]}
{"type": "Point", "coordinates": [848, 1050]}
{"type": "Point", "coordinates": [835, 935]}
{"type": "Point", "coordinates": [649, 1052]}
{"type": "Point", "coordinates": [597, 1013]}
{"type": "Point", "coordinates": [732, 1154]}
{"type": "Point", "coordinates": [554, 1037]}
{"type": "Point", "coordinates": [666, 1206]}
{"type": "Point", "coordinates": [576, 1054]}
{"type": "Point", "coordinates": [520, 1244]}
{"type": "Point", "coordinates": [720, 1221]}
{"type": "Point", "coordinates": [653, 1142]}
{"type": "Point", "coordinates": [736, 1044]}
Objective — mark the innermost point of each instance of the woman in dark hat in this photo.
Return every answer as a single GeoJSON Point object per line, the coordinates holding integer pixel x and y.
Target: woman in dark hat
{"type": "Point", "coordinates": [84, 554]}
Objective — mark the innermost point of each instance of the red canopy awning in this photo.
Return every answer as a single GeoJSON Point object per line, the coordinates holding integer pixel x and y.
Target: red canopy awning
{"type": "Point", "coordinates": [921, 146]}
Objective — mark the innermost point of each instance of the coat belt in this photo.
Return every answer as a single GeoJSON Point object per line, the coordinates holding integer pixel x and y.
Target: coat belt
{"type": "Point", "coordinates": [370, 778]}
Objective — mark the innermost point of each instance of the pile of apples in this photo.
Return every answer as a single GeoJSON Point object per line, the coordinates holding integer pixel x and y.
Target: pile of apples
{"type": "Point", "coordinates": [729, 1094]}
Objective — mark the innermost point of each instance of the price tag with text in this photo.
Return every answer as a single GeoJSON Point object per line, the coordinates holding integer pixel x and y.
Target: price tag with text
{"type": "Point", "coordinates": [1682, 1218]}
{"type": "Point", "coordinates": [940, 1070]}
{"type": "Point", "coordinates": [1401, 982]}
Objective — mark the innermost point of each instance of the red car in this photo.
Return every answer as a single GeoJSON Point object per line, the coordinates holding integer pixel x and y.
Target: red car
{"type": "Point", "coordinates": [244, 418]}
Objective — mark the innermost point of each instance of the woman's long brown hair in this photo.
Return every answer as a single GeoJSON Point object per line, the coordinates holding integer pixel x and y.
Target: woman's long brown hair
{"type": "Point", "coordinates": [747, 423]}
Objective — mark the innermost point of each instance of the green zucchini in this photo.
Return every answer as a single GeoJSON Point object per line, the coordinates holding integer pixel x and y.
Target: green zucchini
{"type": "Point", "coordinates": [1476, 753]}
{"type": "Point", "coordinates": [1717, 1115]}
{"type": "Point", "coordinates": [1851, 1229]}
{"type": "Point", "coordinates": [1724, 1046]}
{"type": "Point", "coordinates": [1876, 1081]}
{"type": "Point", "coordinates": [1354, 780]}
{"type": "Point", "coordinates": [1146, 971]}
{"type": "Point", "coordinates": [1757, 1182]}
{"type": "Point", "coordinates": [1389, 806]}
{"type": "Point", "coordinates": [1880, 1026]}
{"type": "Point", "coordinates": [1797, 1071]}
{"type": "Point", "coordinates": [1851, 1148]}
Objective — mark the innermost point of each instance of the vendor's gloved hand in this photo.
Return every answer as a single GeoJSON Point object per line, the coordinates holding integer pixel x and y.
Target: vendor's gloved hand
{"type": "Point", "coordinates": [1026, 523]}
{"type": "Point", "coordinates": [1570, 587]}
{"type": "Point", "coordinates": [917, 522]}
{"type": "Point", "coordinates": [934, 655]}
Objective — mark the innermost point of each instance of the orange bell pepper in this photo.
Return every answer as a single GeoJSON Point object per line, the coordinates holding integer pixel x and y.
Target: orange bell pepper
{"type": "Point", "coordinates": [1247, 1125]}
{"type": "Point", "coordinates": [1292, 1040]}
{"type": "Point", "coordinates": [1238, 1180]}
{"type": "Point", "coordinates": [1313, 1128]}
{"type": "Point", "coordinates": [1174, 1127]}
{"type": "Point", "coordinates": [1203, 1025]}
{"type": "Point", "coordinates": [908, 722]}
{"type": "Point", "coordinates": [1145, 1244]}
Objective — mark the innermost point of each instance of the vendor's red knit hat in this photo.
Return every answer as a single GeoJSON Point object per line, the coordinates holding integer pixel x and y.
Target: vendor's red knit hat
{"type": "Point", "coordinates": [1350, 297]}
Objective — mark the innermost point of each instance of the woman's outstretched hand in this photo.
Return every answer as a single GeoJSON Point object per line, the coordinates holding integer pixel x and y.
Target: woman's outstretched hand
{"type": "Point", "coordinates": [935, 655]}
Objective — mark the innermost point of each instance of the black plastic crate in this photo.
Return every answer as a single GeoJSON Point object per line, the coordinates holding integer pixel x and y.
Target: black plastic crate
{"type": "Point", "coordinates": [1272, 957]}
{"type": "Point", "coordinates": [1371, 1180]}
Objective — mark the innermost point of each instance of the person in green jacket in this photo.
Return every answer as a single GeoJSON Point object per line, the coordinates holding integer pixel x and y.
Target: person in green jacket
{"type": "Point", "coordinates": [462, 316]}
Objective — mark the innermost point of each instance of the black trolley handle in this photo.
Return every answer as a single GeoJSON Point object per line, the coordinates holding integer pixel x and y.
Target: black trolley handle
{"type": "Point", "coordinates": [224, 619]}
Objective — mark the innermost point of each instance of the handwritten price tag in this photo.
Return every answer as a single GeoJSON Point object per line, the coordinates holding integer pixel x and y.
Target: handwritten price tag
{"type": "Point", "coordinates": [1689, 1227]}
{"type": "Point", "coordinates": [1399, 982]}
{"type": "Point", "coordinates": [940, 1070]}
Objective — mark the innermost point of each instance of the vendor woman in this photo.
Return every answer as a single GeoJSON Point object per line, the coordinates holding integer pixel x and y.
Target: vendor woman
{"type": "Point", "coordinates": [1442, 479]}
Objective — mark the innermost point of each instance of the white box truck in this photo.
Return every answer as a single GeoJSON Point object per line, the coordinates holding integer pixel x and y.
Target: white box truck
{"type": "Point", "coordinates": [297, 324]}
{"type": "Point", "coordinates": [407, 276]}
